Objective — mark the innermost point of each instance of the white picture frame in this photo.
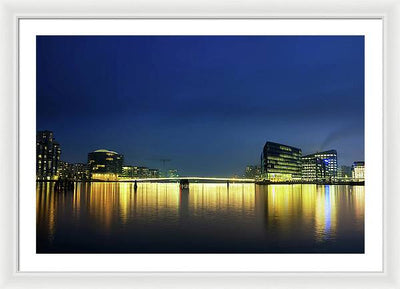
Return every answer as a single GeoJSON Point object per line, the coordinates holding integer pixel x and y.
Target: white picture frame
{"type": "Point", "coordinates": [12, 11]}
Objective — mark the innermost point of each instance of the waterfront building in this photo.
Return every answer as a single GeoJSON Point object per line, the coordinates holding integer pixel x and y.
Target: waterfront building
{"type": "Point", "coordinates": [330, 160]}
{"type": "Point", "coordinates": [252, 172]}
{"type": "Point", "coordinates": [76, 172]}
{"type": "Point", "coordinates": [132, 172]}
{"type": "Point", "coordinates": [48, 154]}
{"type": "Point", "coordinates": [358, 171]}
{"type": "Point", "coordinates": [80, 172]}
{"type": "Point", "coordinates": [105, 165]}
{"type": "Point", "coordinates": [281, 162]}
{"type": "Point", "coordinates": [344, 173]}
{"type": "Point", "coordinates": [320, 166]}
{"type": "Point", "coordinates": [64, 170]}
{"type": "Point", "coordinates": [128, 172]}
{"type": "Point", "coordinates": [139, 172]}
{"type": "Point", "coordinates": [313, 169]}
{"type": "Point", "coordinates": [143, 172]}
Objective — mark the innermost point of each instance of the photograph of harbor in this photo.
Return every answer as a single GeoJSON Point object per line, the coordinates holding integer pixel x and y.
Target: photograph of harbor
{"type": "Point", "coordinates": [200, 144]}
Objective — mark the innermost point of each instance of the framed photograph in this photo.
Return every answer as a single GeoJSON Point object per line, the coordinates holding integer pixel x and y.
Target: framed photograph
{"type": "Point", "coordinates": [147, 135]}
{"type": "Point", "coordinates": [249, 147]}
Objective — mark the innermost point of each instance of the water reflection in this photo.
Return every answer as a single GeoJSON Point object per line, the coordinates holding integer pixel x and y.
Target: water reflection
{"type": "Point", "coordinates": [219, 198]}
{"type": "Point", "coordinates": [207, 217]}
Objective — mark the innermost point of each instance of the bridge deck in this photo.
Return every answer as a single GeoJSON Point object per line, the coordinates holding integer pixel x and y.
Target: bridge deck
{"type": "Point", "coordinates": [190, 179]}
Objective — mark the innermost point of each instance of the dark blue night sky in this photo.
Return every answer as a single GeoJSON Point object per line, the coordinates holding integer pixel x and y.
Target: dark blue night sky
{"type": "Point", "coordinates": [208, 103]}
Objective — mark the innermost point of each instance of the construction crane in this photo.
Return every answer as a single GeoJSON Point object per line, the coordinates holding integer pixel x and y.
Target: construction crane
{"type": "Point", "coordinates": [163, 164]}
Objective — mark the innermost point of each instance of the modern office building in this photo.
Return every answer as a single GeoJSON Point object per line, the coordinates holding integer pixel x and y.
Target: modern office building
{"type": "Point", "coordinates": [313, 169]}
{"type": "Point", "coordinates": [105, 165]}
{"type": "Point", "coordinates": [143, 172]}
{"type": "Point", "coordinates": [128, 172]}
{"type": "Point", "coordinates": [320, 166]}
{"type": "Point", "coordinates": [139, 172]}
{"type": "Point", "coordinates": [281, 162]}
{"type": "Point", "coordinates": [76, 172]}
{"type": "Point", "coordinates": [65, 170]}
{"type": "Point", "coordinates": [330, 161]}
{"type": "Point", "coordinates": [358, 171]}
{"type": "Point", "coordinates": [80, 172]}
{"type": "Point", "coordinates": [48, 153]}
{"type": "Point", "coordinates": [344, 173]}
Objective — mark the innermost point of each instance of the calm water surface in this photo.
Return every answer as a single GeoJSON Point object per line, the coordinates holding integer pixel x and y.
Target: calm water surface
{"type": "Point", "coordinates": [207, 218]}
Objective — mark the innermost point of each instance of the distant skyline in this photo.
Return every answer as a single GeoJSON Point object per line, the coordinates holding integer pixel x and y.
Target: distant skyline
{"type": "Point", "coordinates": [208, 103]}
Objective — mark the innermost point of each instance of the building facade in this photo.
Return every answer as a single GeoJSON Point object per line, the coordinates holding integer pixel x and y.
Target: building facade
{"type": "Point", "coordinates": [358, 171]}
{"type": "Point", "coordinates": [105, 165]}
{"type": "Point", "coordinates": [321, 166]}
{"type": "Point", "coordinates": [80, 172]}
{"type": "Point", "coordinates": [313, 169]}
{"type": "Point", "coordinates": [48, 154]}
{"type": "Point", "coordinates": [344, 173]}
{"type": "Point", "coordinates": [139, 172]}
{"type": "Point", "coordinates": [65, 170]}
{"type": "Point", "coordinates": [281, 162]}
{"type": "Point", "coordinates": [129, 172]}
{"type": "Point", "coordinates": [76, 172]}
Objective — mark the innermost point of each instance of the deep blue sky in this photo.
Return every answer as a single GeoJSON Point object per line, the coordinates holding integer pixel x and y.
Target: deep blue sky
{"type": "Point", "coordinates": [208, 103]}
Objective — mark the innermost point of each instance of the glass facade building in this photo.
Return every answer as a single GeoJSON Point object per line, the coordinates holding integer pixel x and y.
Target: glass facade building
{"type": "Point", "coordinates": [105, 164]}
{"type": "Point", "coordinates": [313, 169]}
{"type": "Point", "coordinates": [344, 173]}
{"type": "Point", "coordinates": [48, 153]}
{"type": "Point", "coordinates": [321, 166]}
{"type": "Point", "coordinates": [281, 162]}
{"type": "Point", "coordinates": [76, 172]}
{"type": "Point", "coordinates": [139, 172]}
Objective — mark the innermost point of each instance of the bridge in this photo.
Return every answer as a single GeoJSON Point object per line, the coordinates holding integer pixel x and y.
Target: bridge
{"type": "Point", "coordinates": [190, 179]}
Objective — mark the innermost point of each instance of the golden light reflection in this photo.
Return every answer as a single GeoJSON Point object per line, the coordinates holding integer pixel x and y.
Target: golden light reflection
{"type": "Point", "coordinates": [312, 206]}
{"type": "Point", "coordinates": [157, 200]}
{"type": "Point", "coordinates": [76, 203]}
{"type": "Point", "coordinates": [239, 198]}
{"type": "Point", "coordinates": [46, 208]}
{"type": "Point", "coordinates": [287, 210]}
{"type": "Point", "coordinates": [359, 201]}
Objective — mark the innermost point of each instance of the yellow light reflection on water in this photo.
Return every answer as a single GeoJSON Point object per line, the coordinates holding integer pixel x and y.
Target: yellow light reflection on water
{"type": "Point", "coordinates": [316, 209]}
{"type": "Point", "coordinates": [210, 197]}
{"type": "Point", "coordinates": [312, 206]}
{"type": "Point", "coordinates": [157, 200]}
{"type": "Point", "coordinates": [46, 207]}
{"type": "Point", "coordinates": [76, 203]}
{"type": "Point", "coordinates": [359, 201]}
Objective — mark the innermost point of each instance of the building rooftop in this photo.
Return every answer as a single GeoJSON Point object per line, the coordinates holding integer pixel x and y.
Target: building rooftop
{"type": "Point", "coordinates": [279, 144]}
{"type": "Point", "coordinates": [320, 153]}
{"type": "Point", "coordinates": [104, 151]}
